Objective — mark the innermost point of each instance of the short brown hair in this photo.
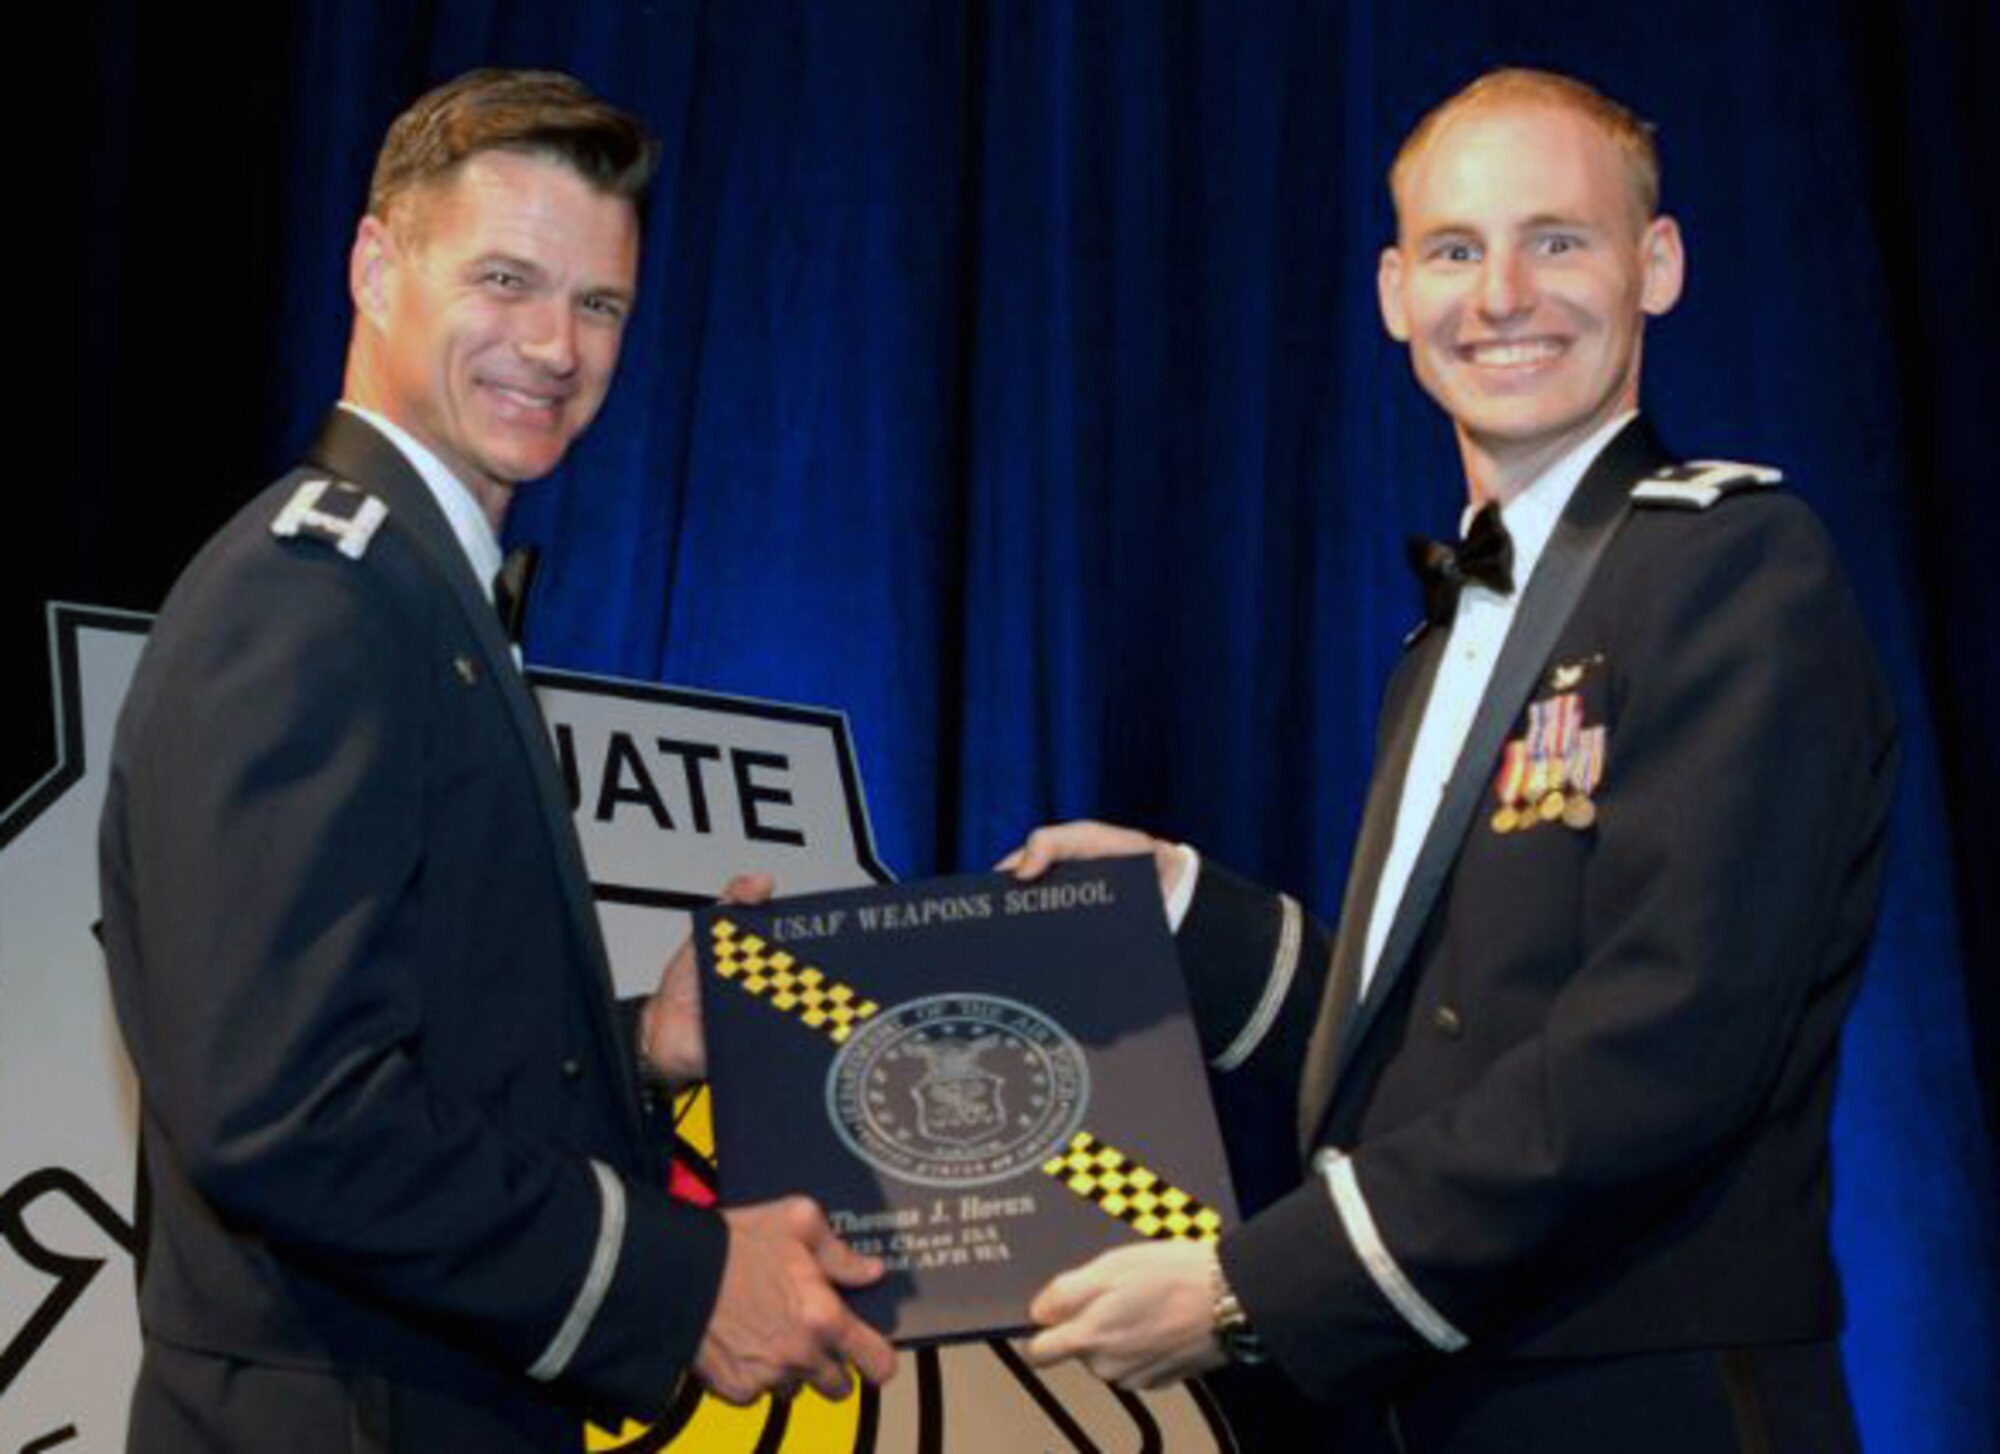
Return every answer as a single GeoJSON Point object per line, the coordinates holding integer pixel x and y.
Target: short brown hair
{"type": "Point", "coordinates": [538, 113]}
{"type": "Point", "coordinates": [1632, 136]}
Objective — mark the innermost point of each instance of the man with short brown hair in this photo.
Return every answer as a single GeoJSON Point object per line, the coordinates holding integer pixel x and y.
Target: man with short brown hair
{"type": "Point", "coordinates": [1565, 1067]}
{"type": "Point", "coordinates": [402, 1196]}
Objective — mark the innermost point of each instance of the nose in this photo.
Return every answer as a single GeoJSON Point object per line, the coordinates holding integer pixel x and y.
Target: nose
{"type": "Point", "coordinates": [1506, 286]}
{"type": "Point", "coordinates": [549, 340]}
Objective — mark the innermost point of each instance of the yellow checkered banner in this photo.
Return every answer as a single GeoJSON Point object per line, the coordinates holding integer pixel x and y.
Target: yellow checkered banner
{"type": "Point", "coordinates": [675, 792]}
{"type": "Point", "coordinates": [1132, 1193]}
{"type": "Point", "coordinates": [781, 981]}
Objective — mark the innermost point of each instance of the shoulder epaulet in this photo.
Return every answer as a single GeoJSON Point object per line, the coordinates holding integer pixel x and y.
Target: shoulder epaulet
{"type": "Point", "coordinates": [1701, 482]}
{"type": "Point", "coordinates": [343, 515]}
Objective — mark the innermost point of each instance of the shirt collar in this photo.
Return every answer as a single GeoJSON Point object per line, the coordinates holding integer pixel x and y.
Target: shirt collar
{"type": "Point", "coordinates": [1530, 517]}
{"type": "Point", "coordinates": [469, 525]}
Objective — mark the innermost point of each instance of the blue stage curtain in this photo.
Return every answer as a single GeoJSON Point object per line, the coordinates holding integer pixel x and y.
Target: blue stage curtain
{"type": "Point", "coordinates": [1008, 376]}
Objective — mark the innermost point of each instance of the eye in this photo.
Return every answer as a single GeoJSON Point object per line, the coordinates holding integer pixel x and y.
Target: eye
{"type": "Point", "coordinates": [1455, 251]}
{"type": "Point", "coordinates": [503, 279]}
{"type": "Point", "coordinates": [610, 309]}
{"type": "Point", "coordinates": [1555, 244]}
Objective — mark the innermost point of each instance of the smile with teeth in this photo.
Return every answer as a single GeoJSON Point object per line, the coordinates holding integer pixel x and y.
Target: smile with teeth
{"type": "Point", "coordinates": [1511, 353]}
{"type": "Point", "coordinates": [523, 398]}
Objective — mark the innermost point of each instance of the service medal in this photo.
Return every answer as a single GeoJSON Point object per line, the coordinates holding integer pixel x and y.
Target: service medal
{"type": "Point", "coordinates": [1507, 785]}
{"type": "Point", "coordinates": [1586, 770]}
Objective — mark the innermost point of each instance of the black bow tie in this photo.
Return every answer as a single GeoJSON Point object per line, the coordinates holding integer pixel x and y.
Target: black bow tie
{"type": "Point", "coordinates": [1485, 557]}
{"type": "Point", "coordinates": [510, 589]}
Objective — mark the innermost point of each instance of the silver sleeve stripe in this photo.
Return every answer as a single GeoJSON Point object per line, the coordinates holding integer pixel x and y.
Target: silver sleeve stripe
{"type": "Point", "coordinates": [1352, 1208]}
{"type": "Point", "coordinates": [1278, 984]}
{"type": "Point", "coordinates": [1182, 898]}
{"type": "Point", "coordinates": [596, 1279]}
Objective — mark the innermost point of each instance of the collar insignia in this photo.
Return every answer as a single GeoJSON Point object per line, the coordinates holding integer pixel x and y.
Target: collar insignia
{"type": "Point", "coordinates": [332, 511]}
{"type": "Point", "coordinates": [1701, 482]}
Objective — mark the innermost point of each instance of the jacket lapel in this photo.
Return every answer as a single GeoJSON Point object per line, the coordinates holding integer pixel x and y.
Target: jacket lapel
{"type": "Point", "coordinates": [1403, 709]}
{"type": "Point", "coordinates": [1566, 566]}
{"type": "Point", "coordinates": [352, 449]}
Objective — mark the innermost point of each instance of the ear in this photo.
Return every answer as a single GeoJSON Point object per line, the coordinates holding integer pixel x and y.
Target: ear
{"type": "Point", "coordinates": [1664, 266]}
{"type": "Point", "coordinates": [368, 268]}
{"type": "Point", "coordinates": [1389, 293]}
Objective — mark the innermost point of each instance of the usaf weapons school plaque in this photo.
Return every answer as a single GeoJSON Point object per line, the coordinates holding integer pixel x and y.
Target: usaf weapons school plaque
{"type": "Point", "coordinates": [982, 1081]}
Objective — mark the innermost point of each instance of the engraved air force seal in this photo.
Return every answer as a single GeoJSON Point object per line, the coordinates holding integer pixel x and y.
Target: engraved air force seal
{"type": "Point", "coordinates": [957, 1090]}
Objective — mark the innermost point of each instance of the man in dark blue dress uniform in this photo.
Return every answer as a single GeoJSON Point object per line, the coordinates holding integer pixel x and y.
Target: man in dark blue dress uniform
{"type": "Point", "coordinates": [1564, 1068]}
{"type": "Point", "coordinates": [401, 1196]}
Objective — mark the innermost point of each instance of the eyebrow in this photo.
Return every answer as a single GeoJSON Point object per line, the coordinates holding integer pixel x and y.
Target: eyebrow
{"type": "Point", "coordinates": [1536, 223]}
{"type": "Point", "coordinates": [506, 260]}
{"type": "Point", "coordinates": [1557, 219]}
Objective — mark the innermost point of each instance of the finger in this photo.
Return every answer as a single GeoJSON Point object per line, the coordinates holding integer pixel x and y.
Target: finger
{"type": "Point", "coordinates": [1044, 848]}
{"type": "Point", "coordinates": [1110, 1367]}
{"type": "Point", "coordinates": [830, 1380]}
{"type": "Point", "coordinates": [748, 888]}
{"type": "Point", "coordinates": [844, 1266]}
{"type": "Point", "coordinates": [1066, 1295]}
{"type": "Point", "coordinates": [1026, 862]}
{"type": "Point", "coordinates": [1053, 1345]}
{"type": "Point", "coordinates": [803, 1219]}
{"type": "Point", "coordinates": [870, 1352]}
{"type": "Point", "coordinates": [840, 1263]}
{"type": "Point", "coordinates": [735, 1392]}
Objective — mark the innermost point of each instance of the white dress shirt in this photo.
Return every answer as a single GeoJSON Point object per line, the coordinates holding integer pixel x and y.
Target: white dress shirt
{"type": "Point", "coordinates": [1478, 631]}
{"type": "Point", "coordinates": [469, 525]}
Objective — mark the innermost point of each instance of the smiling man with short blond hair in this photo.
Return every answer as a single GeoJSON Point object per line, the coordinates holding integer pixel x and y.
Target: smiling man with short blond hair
{"type": "Point", "coordinates": [1564, 1068]}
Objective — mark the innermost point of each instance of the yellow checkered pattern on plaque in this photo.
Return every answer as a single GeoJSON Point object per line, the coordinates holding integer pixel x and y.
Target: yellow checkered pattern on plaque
{"type": "Point", "coordinates": [1128, 1191]}
{"type": "Point", "coordinates": [781, 981]}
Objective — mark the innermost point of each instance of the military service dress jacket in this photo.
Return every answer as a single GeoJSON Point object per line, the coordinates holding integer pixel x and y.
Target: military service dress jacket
{"type": "Point", "coordinates": [1582, 1111]}
{"type": "Point", "coordinates": [390, 1120]}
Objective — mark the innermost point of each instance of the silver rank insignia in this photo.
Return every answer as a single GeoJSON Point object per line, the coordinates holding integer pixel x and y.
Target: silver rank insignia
{"type": "Point", "coordinates": [333, 511]}
{"type": "Point", "coordinates": [1701, 482]}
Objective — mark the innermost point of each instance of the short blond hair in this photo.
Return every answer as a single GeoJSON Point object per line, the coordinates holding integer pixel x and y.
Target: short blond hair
{"type": "Point", "coordinates": [1632, 135]}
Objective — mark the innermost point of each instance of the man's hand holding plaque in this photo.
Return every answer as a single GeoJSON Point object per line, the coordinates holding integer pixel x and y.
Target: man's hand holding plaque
{"type": "Point", "coordinates": [1138, 1316]}
{"type": "Point", "coordinates": [670, 1039]}
{"type": "Point", "coordinates": [779, 1321]}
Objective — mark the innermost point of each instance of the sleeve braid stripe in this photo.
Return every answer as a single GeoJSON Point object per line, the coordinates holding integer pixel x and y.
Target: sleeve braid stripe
{"type": "Point", "coordinates": [596, 1278]}
{"type": "Point", "coordinates": [1359, 1223]}
{"type": "Point", "coordinates": [1278, 984]}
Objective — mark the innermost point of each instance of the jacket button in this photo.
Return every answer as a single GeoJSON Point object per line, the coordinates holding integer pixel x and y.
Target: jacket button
{"type": "Point", "coordinates": [1445, 1020]}
{"type": "Point", "coordinates": [572, 1069]}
